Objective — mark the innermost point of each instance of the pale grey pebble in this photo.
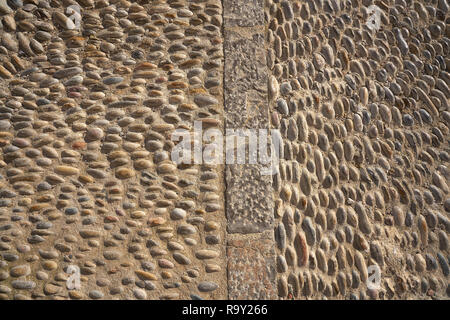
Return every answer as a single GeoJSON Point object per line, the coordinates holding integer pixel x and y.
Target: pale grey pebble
{"type": "Point", "coordinates": [408, 120]}
{"type": "Point", "coordinates": [280, 236]}
{"type": "Point", "coordinates": [44, 225]}
{"type": "Point", "coordinates": [205, 101]}
{"type": "Point", "coordinates": [127, 280]}
{"type": "Point", "coordinates": [353, 296]}
{"type": "Point", "coordinates": [41, 275]}
{"type": "Point", "coordinates": [43, 162]}
{"type": "Point", "coordinates": [287, 10]}
{"type": "Point", "coordinates": [4, 275]}
{"type": "Point", "coordinates": [424, 285]}
{"type": "Point", "coordinates": [71, 211]}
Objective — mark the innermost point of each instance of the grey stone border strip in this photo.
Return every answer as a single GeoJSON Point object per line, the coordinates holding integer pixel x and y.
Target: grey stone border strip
{"type": "Point", "coordinates": [248, 195]}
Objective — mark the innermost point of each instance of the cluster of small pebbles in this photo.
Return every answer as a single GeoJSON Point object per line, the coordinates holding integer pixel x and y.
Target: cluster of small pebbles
{"type": "Point", "coordinates": [365, 119]}
{"type": "Point", "coordinates": [86, 177]}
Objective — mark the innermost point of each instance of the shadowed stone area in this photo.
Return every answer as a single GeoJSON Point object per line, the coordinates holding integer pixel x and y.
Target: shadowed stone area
{"type": "Point", "coordinates": [238, 13]}
{"type": "Point", "coordinates": [249, 202]}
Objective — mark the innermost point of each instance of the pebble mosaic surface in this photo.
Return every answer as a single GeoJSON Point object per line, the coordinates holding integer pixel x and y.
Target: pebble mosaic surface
{"type": "Point", "coordinates": [86, 176]}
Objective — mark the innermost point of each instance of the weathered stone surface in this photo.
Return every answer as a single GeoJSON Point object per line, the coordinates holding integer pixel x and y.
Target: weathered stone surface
{"type": "Point", "coordinates": [246, 85]}
{"type": "Point", "coordinates": [248, 207]}
{"type": "Point", "coordinates": [243, 13]}
{"type": "Point", "coordinates": [87, 182]}
{"type": "Point", "coordinates": [251, 268]}
{"type": "Point", "coordinates": [359, 174]}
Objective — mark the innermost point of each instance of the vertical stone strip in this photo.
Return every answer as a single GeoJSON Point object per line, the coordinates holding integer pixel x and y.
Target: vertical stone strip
{"type": "Point", "coordinates": [249, 202]}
